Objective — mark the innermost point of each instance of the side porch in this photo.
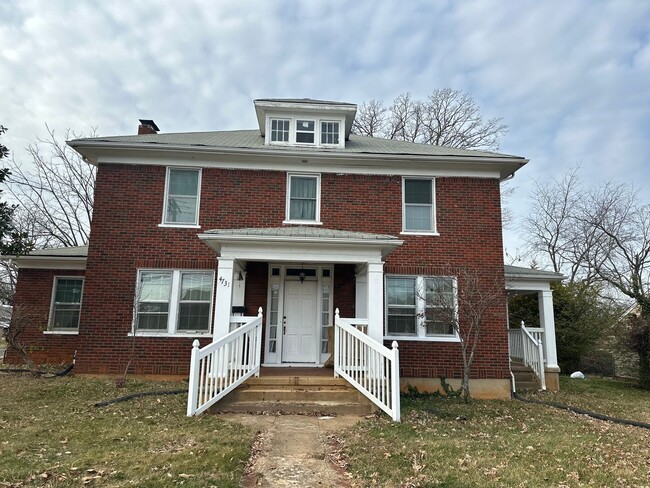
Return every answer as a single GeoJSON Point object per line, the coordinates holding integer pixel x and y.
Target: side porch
{"type": "Point", "coordinates": [533, 353]}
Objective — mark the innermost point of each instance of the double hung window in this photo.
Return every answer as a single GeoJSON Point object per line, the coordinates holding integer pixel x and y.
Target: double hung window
{"type": "Point", "coordinates": [305, 131]}
{"type": "Point", "coordinates": [303, 198]}
{"type": "Point", "coordinates": [66, 304]}
{"type": "Point", "coordinates": [182, 196]}
{"type": "Point", "coordinates": [169, 301]}
{"type": "Point", "coordinates": [419, 205]}
{"type": "Point", "coordinates": [422, 307]}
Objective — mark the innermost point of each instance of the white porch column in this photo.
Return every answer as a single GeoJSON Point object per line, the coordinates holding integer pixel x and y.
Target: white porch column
{"type": "Point", "coordinates": [376, 301]}
{"type": "Point", "coordinates": [547, 322]}
{"type": "Point", "coordinates": [361, 289]}
{"type": "Point", "coordinates": [223, 305]}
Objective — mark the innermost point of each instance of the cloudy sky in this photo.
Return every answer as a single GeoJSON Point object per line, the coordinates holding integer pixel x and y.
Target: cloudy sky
{"type": "Point", "coordinates": [570, 78]}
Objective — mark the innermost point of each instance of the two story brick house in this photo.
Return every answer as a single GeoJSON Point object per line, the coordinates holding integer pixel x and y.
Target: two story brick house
{"type": "Point", "coordinates": [299, 217]}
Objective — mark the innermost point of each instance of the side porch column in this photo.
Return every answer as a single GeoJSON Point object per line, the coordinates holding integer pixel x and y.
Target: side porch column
{"type": "Point", "coordinates": [223, 301]}
{"type": "Point", "coordinates": [547, 322]}
{"type": "Point", "coordinates": [361, 291]}
{"type": "Point", "coordinates": [375, 301]}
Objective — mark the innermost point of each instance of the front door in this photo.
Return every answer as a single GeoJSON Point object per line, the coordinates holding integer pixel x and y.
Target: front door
{"type": "Point", "coordinates": [300, 303]}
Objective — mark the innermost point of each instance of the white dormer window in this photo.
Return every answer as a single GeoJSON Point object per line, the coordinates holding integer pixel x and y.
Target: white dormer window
{"type": "Point", "coordinates": [329, 133]}
{"type": "Point", "coordinates": [305, 131]}
{"type": "Point", "coordinates": [280, 130]}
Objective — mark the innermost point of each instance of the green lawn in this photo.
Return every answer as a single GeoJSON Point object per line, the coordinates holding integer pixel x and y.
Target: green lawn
{"type": "Point", "coordinates": [443, 442]}
{"type": "Point", "coordinates": [52, 435]}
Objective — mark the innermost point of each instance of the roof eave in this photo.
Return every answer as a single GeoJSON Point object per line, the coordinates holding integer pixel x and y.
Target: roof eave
{"type": "Point", "coordinates": [48, 262]}
{"type": "Point", "coordinates": [513, 163]}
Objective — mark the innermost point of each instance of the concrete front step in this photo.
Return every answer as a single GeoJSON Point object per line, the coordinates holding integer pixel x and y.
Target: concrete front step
{"type": "Point", "coordinates": [344, 395]}
{"type": "Point", "coordinates": [287, 407]}
{"type": "Point", "coordinates": [296, 394]}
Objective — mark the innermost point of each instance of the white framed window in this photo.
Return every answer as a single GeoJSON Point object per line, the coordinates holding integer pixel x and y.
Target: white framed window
{"type": "Point", "coordinates": [329, 133]}
{"type": "Point", "coordinates": [65, 307]}
{"type": "Point", "coordinates": [280, 130]}
{"type": "Point", "coordinates": [418, 205]}
{"type": "Point", "coordinates": [182, 197]}
{"type": "Point", "coordinates": [305, 131]}
{"type": "Point", "coordinates": [421, 308]}
{"type": "Point", "coordinates": [303, 199]}
{"type": "Point", "coordinates": [173, 302]}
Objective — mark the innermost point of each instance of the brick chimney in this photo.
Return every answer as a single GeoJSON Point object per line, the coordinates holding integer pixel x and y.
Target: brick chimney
{"type": "Point", "coordinates": [147, 127]}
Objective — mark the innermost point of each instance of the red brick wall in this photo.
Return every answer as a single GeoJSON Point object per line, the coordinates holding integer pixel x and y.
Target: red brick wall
{"type": "Point", "coordinates": [126, 235]}
{"type": "Point", "coordinates": [34, 295]}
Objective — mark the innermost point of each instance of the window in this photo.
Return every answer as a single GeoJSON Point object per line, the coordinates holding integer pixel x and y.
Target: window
{"type": "Point", "coordinates": [329, 133]}
{"type": "Point", "coordinates": [419, 215]}
{"type": "Point", "coordinates": [440, 306]}
{"type": "Point", "coordinates": [182, 197]}
{"type": "Point", "coordinates": [421, 307]}
{"type": "Point", "coordinates": [303, 197]}
{"type": "Point", "coordinates": [305, 131]}
{"type": "Point", "coordinates": [66, 304]}
{"type": "Point", "coordinates": [194, 301]}
{"type": "Point", "coordinates": [169, 301]}
{"type": "Point", "coordinates": [280, 130]}
{"type": "Point", "coordinates": [400, 300]}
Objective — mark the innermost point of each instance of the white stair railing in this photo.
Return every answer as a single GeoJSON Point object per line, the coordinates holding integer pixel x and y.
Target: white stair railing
{"type": "Point", "coordinates": [529, 349]}
{"type": "Point", "coordinates": [223, 365]}
{"type": "Point", "coordinates": [368, 365]}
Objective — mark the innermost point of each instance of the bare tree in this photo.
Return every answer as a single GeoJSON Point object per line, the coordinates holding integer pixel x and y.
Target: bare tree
{"type": "Point", "coordinates": [596, 235]}
{"type": "Point", "coordinates": [464, 303]}
{"type": "Point", "coordinates": [620, 247]}
{"type": "Point", "coordinates": [447, 117]}
{"type": "Point", "coordinates": [55, 192]}
{"type": "Point", "coordinates": [554, 229]}
{"type": "Point", "coordinates": [22, 319]}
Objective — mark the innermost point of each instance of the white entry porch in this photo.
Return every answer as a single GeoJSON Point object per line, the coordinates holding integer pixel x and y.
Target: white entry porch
{"type": "Point", "coordinates": [300, 312]}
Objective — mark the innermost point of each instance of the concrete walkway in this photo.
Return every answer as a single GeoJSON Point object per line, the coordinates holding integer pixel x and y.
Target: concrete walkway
{"type": "Point", "coordinates": [293, 450]}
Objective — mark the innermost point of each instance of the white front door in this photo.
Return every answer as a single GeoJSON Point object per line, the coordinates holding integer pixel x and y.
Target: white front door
{"type": "Point", "coordinates": [300, 303]}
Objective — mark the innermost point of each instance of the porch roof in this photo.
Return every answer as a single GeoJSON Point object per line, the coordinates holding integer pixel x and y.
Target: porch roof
{"type": "Point", "coordinates": [61, 258]}
{"type": "Point", "coordinates": [308, 232]}
{"type": "Point", "coordinates": [528, 280]}
{"type": "Point", "coordinates": [300, 242]}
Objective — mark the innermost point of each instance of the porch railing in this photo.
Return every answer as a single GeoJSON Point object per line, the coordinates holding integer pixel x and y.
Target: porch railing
{"type": "Point", "coordinates": [368, 365]}
{"type": "Point", "coordinates": [526, 345]}
{"type": "Point", "coordinates": [223, 365]}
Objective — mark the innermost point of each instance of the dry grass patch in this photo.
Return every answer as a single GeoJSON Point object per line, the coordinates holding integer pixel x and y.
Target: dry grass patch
{"type": "Point", "coordinates": [443, 442]}
{"type": "Point", "coordinates": [52, 435]}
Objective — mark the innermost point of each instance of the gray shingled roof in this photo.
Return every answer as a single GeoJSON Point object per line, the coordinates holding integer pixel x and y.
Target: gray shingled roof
{"type": "Point", "coordinates": [532, 273]}
{"type": "Point", "coordinates": [67, 252]}
{"type": "Point", "coordinates": [301, 231]}
{"type": "Point", "coordinates": [304, 100]}
{"type": "Point", "coordinates": [251, 139]}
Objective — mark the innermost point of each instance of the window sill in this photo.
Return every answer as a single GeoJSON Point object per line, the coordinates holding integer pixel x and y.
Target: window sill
{"type": "Point", "coordinates": [61, 332]}
{"type": "Point", "coordinates": [423, 339]}
{"type": "Point", "coordinates": [178, 335]}
{"type": "Point", "coordinates": [180, 226]}
{"type": "Point", "coordinates": [418, 233]}
{"type": "Point", "coordinates": [301, 222]}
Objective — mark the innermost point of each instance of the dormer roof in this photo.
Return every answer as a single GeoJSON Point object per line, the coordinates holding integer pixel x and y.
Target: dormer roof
{"type": "Point", "coordinates": [297, 106]}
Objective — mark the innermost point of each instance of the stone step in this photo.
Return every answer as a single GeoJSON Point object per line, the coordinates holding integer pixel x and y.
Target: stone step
{"type": "Point", "coordinates": [291, 394]}
{"type": "Point", "coordinates": [295, 407]}
{"type": "Point", "coordinates": [283, 381]}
